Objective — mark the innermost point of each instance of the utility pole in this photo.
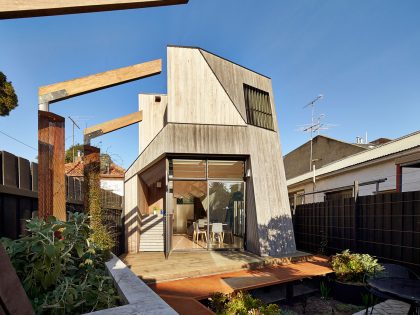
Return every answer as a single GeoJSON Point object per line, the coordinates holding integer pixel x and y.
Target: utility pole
{"type": "Point", "coordinates": [74, 124]}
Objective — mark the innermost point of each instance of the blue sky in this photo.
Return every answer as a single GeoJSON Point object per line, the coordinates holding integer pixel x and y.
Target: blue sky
{"type": "Point", "coordinates": [364, 56]}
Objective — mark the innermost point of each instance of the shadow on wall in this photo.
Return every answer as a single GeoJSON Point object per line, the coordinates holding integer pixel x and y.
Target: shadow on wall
{"type": "Point", "coordinates": [276, 237]}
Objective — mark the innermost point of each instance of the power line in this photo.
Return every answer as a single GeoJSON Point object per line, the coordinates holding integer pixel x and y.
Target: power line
{"type": "Point", "coordinates": [7, 135]}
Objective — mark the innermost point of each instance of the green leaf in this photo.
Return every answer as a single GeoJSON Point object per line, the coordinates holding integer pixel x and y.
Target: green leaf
{"type": "Point", "coordinates": [79, 249]}
{"type": "Point", "coordinates": [50, 250]}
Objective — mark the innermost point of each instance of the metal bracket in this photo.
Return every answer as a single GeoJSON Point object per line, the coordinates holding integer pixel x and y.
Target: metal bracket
{"type": "Point", "coordinates": [90, 136]}
{"type": "Point", "coordinates": [45, 99]}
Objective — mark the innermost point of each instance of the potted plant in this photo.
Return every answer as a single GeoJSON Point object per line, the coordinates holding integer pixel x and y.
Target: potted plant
{"type": "Point", "coordinates": [351, 269]}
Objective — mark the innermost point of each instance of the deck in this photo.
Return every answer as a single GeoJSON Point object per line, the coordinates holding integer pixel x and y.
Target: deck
{"type": "Point", "coordinates": [152, 267]}
{"type": "Point", "coordinates": [196, 276]}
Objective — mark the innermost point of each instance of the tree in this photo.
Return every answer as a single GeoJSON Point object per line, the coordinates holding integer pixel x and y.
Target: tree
{"type": "Point", "coordinates": [69, 152]}
{"type": "Point", "coordinates": [8, 97]}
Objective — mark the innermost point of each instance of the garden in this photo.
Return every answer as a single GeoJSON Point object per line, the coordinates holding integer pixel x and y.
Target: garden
{"type": "Point", "coordinates": [61, 266]}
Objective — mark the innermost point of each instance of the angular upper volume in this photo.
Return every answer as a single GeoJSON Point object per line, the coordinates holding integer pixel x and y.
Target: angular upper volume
{"type": "Point", "coordinates": [195, 95]}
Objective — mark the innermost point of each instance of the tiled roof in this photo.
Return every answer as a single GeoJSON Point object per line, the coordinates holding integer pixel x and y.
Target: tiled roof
{"type": "Point", "coordinates": [398, 145]}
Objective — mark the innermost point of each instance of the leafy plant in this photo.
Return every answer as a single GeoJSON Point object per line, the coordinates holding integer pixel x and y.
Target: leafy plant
{"type": "Point", "coordinates": [325, 291]}
{"type": "Point", "coordinates": [8, 98]}
{"type": "Point", "coordinates": [369, 300]}
{"type": "Point", "coordinates": [352, 267]}
{"type": "Point", "coordinates": [61, 269]}
{"type": "Point", "coordinates": [240, 303]}
{"type": "Point", "coordinates": [100, 235]}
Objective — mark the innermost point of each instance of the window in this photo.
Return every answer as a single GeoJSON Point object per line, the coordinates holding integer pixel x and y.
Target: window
{"type": "Point", "coordinates": [187, 168]}
{"type": "Point", "coordinates": [226, 169]}
{"type": "Point", "coordinates": [258, 108]}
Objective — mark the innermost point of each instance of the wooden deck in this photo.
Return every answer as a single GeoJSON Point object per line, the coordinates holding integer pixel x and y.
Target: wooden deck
{"type": "Point", "coordinates": [183, 295]}
{"type": "Point", "coordinates": [153, 267]}
{"type": "Point", "coordinates": [215, 272]}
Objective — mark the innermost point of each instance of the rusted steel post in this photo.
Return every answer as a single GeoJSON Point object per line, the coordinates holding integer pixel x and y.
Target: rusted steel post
{"type": "Point", "coordinates": [91, 171]}
{"type": "Point", "coordinates": [51, 175]}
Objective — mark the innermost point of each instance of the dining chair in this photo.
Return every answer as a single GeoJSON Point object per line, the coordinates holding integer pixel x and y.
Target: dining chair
{"type": "Point", "coordinates": [217, 231]}
{"type": "Point", "coordinates": [197, 232]}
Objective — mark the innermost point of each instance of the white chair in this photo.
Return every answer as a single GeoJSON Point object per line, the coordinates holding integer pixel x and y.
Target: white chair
{"type": "Point", "coordinates": [197, 232]}
{"type": "Point", "coordinates": [217, 231]}
{"type": "Point", "coordinates": [202, 223]}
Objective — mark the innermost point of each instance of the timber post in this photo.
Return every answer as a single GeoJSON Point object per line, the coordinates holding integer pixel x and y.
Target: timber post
{"type": "Point", "coordinates": [51, 174]}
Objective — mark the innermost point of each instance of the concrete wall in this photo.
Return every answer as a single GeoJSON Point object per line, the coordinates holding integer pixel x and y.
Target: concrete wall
{"type": "Point", "coordinates": [325, 150]}
{"type": "Point", "coordinates": [114, 185]}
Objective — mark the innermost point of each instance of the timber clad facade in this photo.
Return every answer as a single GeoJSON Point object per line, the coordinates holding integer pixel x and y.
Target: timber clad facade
{"type": "Point", "coordinates": [209, 174]}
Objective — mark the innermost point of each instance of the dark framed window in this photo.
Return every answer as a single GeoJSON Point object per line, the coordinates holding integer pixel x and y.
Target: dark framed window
{"type": "Point", "coordinates": [258, 107]}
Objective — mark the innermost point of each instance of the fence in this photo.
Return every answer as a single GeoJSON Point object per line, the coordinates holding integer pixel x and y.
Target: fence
{"type": "Point", "coordinates": [384, 225]}
{"type": "Point", "coordinates": [19, 199]}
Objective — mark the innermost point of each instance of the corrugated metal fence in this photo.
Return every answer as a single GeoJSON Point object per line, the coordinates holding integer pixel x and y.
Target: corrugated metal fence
{"type": "Point", "coordinates": [384, 225]}
{"type": "Point", "coordinates": [19, 199]}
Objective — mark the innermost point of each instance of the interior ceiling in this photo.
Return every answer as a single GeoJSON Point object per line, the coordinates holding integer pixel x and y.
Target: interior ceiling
{"type": "Point", "coordinates": [155, 173]}
{"type": "Point", "coordinates": [188, 189]}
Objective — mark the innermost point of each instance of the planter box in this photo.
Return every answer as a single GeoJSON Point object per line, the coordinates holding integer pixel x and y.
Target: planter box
{"type": "Point", "coordinates": [139, 297]}
{"type": "Point", "coordinates": [350, 293]}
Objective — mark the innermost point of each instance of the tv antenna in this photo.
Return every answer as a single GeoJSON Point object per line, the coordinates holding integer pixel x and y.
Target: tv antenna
{"type": "Point", "coordinates": [314, 126]}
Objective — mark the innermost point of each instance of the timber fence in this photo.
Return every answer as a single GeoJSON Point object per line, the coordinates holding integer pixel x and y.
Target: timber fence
{"type": "Point", "coordinates": [19, 199]}
{"type": "Point", "coordinates": [384, 225]}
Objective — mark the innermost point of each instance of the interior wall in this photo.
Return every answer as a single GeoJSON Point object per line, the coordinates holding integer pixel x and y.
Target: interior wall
{"type": "Point", "coordinates": [182, 213]}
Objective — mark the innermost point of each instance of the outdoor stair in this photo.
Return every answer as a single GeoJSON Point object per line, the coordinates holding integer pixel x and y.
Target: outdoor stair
{"type": "Point", "coordinates": [151, 233]}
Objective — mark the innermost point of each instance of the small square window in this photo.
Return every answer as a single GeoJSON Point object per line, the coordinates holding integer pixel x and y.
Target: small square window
{"type": "Point", "coordinates": [258, 107]}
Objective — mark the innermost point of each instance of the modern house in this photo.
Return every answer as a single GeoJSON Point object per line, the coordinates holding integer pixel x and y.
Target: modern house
{"type": "Point", "coordinates": [390, 166]}
{"type": "Point", "coordinates": [210, 173]}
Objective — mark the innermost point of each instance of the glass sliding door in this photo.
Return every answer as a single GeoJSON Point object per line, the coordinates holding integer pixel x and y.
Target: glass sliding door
{"type": "Point", "coordinates": [227, 214]}
{"type": "Point", "coordinates": [208, 204]}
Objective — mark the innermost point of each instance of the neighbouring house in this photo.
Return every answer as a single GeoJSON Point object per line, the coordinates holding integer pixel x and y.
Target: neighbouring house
{"type": "Point", "coordinates": [210, 173]}
{"type": "Point", "coordinates": [111, 177]}
{"type": "Point", "coordinates": [324, 151]}
{"type": "Point", "coordinates": [390, 166]}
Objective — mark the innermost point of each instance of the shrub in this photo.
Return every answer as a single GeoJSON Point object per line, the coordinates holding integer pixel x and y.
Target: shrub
{"type": "Point", "coordinates": [352, 267]}
{"type": "Point", "coordinates": [240, 303]}
{"type": "Point", "coordinates": [61, 269]}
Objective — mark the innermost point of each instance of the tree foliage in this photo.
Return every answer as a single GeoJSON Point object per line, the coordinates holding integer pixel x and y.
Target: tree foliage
{"type": "Point", "coordinates": [8, 97]}
{"type": "Point", "coordinates": [69, 152]}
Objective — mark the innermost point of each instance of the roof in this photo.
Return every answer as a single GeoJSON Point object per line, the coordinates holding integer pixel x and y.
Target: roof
{"type": "Point", "coordinates": [76, 170]}
{"type": "Point", "coordinates": [326, 137]}
{"type": "Point", "coordinates": [233, 62]}
{"type": "Point", "coordinates": [395, 146]}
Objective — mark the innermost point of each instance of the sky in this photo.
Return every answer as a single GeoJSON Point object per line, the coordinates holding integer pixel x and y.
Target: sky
{"type": "Point", "coordinates": [362, 55]}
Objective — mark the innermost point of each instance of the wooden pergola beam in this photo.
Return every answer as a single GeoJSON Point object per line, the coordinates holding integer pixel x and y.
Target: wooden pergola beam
{"type": "Point", "coordinates": [67, 89]}
{"type": "Point", "coordinates": [12, 9]}
{"type": "Point", "coordinates": [112, 125]}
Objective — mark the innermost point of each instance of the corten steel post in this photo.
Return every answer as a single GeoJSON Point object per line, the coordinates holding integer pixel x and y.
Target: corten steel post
{"type": "Point", "coordinates": [91, 171]}
{"type": "Point", "coordinates": [51, 177]}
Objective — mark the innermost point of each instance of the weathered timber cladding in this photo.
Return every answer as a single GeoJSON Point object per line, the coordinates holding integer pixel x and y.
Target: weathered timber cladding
{"type": "Point", "coordinates": [384, 225]}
